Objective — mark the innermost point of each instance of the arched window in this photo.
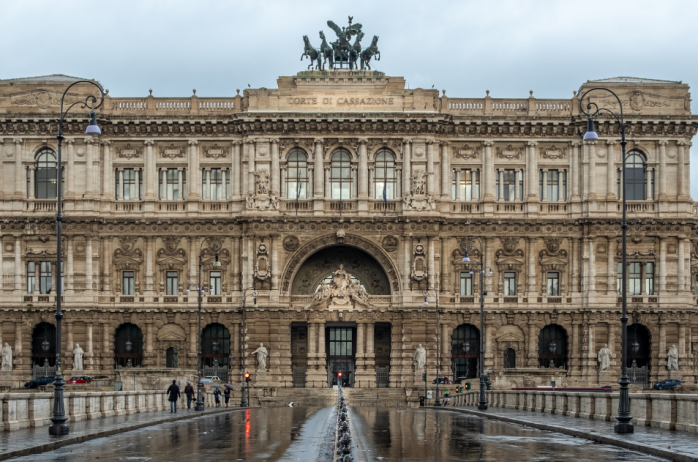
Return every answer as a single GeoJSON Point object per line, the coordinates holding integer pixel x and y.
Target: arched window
{"type": "Point", "coordinates": [636, 176]}
{"type": "Point", "coordinates": [465, 351]}
{"type": "Point", "coordinates": [172, 357]}
{"type": "Point", "coordinates": [297, 174]}
{"type": "Point", "coordinates": [340, 175]}
{"type": "Point", "coordinates": [384, 178]}
{"type": "Point", "coordinates": [552, 347]}
{"type": "Point", "coordinates": [45, 174]}
{"type": "Point", "coordinates": [639, 346]}
{"type": "Point", "coordinates": [128, 346]}
{"type": "Point", "coordinates": [44, 345]}
{"type": "Point", "coordinates": [509, 358]}
{"type": "Point", "coordinates": [215, 345]}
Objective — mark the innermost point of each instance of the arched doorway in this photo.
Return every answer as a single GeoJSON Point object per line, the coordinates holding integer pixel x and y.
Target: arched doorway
{"type": "Point", "coordinates": [44, 350]}
{"type": "Point", "coordinates": [215, 351]}
{"type": "Point", "coordinates": [552, 347]}
{"type": "Point", "coordinates": [465, 351]}
{"type": "Point", "coordinates": [128, 346]}
{"type": "Point", "coordinates": [639, 354]}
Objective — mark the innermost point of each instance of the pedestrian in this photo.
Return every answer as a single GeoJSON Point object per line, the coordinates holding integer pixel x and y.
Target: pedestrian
{"type": "Point", "coordinates": [446, 398]}
{"type": "Point", "coordinates": [173, 391]}
{"type": "Point", "coordinates": [217, 396]}
{"type": "Point", "coordinates": [189, 392]}
{"type": "Point", "coordinates": [226, 395]}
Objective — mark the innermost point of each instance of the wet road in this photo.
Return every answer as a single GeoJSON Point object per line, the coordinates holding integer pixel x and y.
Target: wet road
{"type": "Point", "coordinates": [419, 435]}
{"type": "Point", "coordinates": [270, 434]}
{"type": "Point", "coordinates": [305, 434]}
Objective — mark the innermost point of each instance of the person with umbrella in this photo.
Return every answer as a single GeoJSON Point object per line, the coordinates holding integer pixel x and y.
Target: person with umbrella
{"type": "Point", "coordinates": [226, 394]}
{"type": "Point", "coordinates": [189, 392]}
{"type": "Point", "coordinates": [173, 391]}
{"type": "Point", "coordinates": [217, 395]}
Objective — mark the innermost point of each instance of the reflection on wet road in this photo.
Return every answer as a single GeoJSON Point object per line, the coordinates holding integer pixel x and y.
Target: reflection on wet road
{"type": "Point", "coordinates": [418, 435]}
{"type": "Point", "coordinates": [269, 434]}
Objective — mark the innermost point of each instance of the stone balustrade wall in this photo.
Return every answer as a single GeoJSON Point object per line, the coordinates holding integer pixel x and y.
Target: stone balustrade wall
{"type": "Point", "coordinates": [663, 410]}
{"type": "Point", "coordinates": [22, 410]}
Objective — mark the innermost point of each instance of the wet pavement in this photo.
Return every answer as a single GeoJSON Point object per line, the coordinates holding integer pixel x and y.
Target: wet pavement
{"type": "Point", "coordinates": [430, 435]}
{"type": "Point", "coordinates": [269, 434]}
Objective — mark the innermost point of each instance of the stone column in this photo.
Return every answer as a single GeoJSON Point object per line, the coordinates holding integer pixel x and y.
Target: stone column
{"type": "Point", "coordinates": [574, 171]}
{"type": "Point", "coordinates": [312, 341]}
{"type": "Point", "coordinates": [207, 190]}
{"type": "Point", "coordinates": [662, 265]}
{"type": "Point", "coordinates": [430, 261]}
{"type": "Point", "coordinates": [235, 257]}
{"type": "Point", "coordinates": [406, 242]}
{"type": "Point", "coordinates": [360, 341]}
{"type": "Point", "coordinates": [488, 263]}
{"type": "Point", "coordinates": [533, 171]}
{"type": "Point", "coordinates": [69, 270]}
{"type": "Point", "coordinates": [108, 173]}
{"type": "Point", "coordinates": [685, 191]}
{"type": "Point", "coordinates": [236, 347]}
{"type": "Point", "coordinates": [149, 276]}
{"type": "Point", "coordinates": [488, 168]}
{"type": "Point", "coordinates": [363, 169]}
{"type": "Point", "coordinates": [445, 350]}
{"type": "Point", "coordinates": [681, 265]}
{"type": "Point", "coordinates": [592, 170]}
{"type": "Point", "coordinates": [151, 174]}
{"type": "Point", "coordinates": [120, 189]}
{"type": "Point", "coordinates": [531, 252]}
{"type": "Point", "coordinates": [319, 170]}
{"type": "Point", "coordinates": [662, 343]}
{"type": "Point", "coordinates": [370, 355]}
{"type": "Point", "coordinates": [445, 170]}
{"type": "Point", "coordinates": [585, 264]}
{"type": "Point", "coordinates": [574, 269]}
{"type": "Point", "coordinates": [321, 345]}
{"type": "Point", "coordinates": [89, 168]}
{"type": "Point", "coordinates": [251, 168]}
{"type": "Point", "coordinates": [406, 167]}
{"type": "Point", "coordinates": [662, 170]}
{"type": "Point", "coordinates": [2, 187]}
{"type": "Point", "coordinates": [37, 274]}
{"type": "Point", "coordinates": [107, 356]}
{"type": "Point", "coordinates": [430, 166]}
{"type": "Point", "coordinates": [328, 192]}
{"type": "Point", "coordinates": [193, 188]}
{"type": "Point", "coordinates": [500, 178]}
{"type": "Point", "coordinates": [275, 171]}
{"type": "Point", "coordinates": [681, 165]}
{"type": "Point", "coordinates": [20, 177]}
{"type": "Point", "coordinates": [445, 263]}
{"type": "Point", "coordinates": [235, 170]}
{"type": "Point", "coordinates": [2, 272]}
{"type": "Point", "coordinates": [592, 265]}
{"type": "Point", "coordinates": [193, 255]}
{"type": "Point", "coordinates": [282, 192]}
{"type": "Point", "coordinates": [18, 263]}
{"type": "Point", "coordinates": [545, 185]}
{"type": "Point", "coordinates": [31, 170]}
{"type": "Point", "coordinates": [274, 261]}
{"type": "Point", "coordinates": [193, 338]}
{"type": "Point", "coordinates": [516, 184]}
{"type": "Point", "coordinates": [69, 155]}
{"type": "Point", "coordinates": [612, 270]}
{"type": "Point", "coordinates": [67, 357]}
{"type": "Point", "coordinates": [88, 265]}
{"type": "Point", "coordinates": [149, 343]}
{"type": "Point", "coordinates": [532, 341]}
{"type": "Point", "coordinates": [687, 265]}
{"type": "Point", "coordinates": [106, 258]}
{"type": "Point", "coordinates": [610, 170]}
{"type": "Point", "coordinates": [89, 346]}
{"type": "Point", "coordinates": [458, 197]}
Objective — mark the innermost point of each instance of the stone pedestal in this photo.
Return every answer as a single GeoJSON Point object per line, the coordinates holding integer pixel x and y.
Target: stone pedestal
{"type": "Point", "coordinates": [608, 378]}
{"type": "Point", "coordinates": [675, 375]}
{"type": "Point", "coordinates": [260, 379]}
{"type": "Point", "coordinates": [5, 379]}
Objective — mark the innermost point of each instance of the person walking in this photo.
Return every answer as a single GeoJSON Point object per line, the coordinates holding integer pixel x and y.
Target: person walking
{"type": "Point", "coordinates": [217, 396]}
{"type": "Point", "coordinates": [446, 399]}
{"type": "Point", "coordinates": [226, 395]}
{"type": "Point", "coordinates": [173, 391]}
{"type": "Point", "coordinates": [189, 392]}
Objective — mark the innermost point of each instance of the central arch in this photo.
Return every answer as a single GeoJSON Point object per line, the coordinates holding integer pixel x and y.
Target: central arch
{"type": "Point", "coordinates": [370, 251]}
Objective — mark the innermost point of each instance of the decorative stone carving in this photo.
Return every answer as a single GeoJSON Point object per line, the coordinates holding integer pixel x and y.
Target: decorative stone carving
{"type": "Point", "coordinates": [604, 358]}
{"type": "Point", "coordinates": [78, 353]}
{"type": "Point", "coordinates": [509, 152]}
{"type": "Point", "coordinates": [262, 268]}
{"type": "Point", "coordinates": [467, 152]}
{"type": "Point", "coordinates": [215, 151]}
{"type": "Point", "coordinates": [553, 152]}
{"type": "Point", "coordinates": [419, 264]}
{"type": "Point", "coordinates": [128, 258]}
{"type": "Point", "coordinates": [41, 98]}
{"type": "Point", "coordinates": [129, 152]}
{"type": "Point", "coordinates": [418, 199]}
{"type": "Point", "coordinates": [390, 243]}
{"type": "Point", "coordinates": [291, 243]}
{"type": "Point", "coordinates": [341, 292]}
{"type": "Point", "coordinates": [420, 358]}
{"type": "Point", "coordinates": [264, 198]}
{"type": "Point", "coordinates": [261, 354]}
{"type": "Point", "coordinates": [672, 363]}
{"type": "Point", "coordinates": [172, 151]}
{"type": "Point", "coordinates": [6, 358]}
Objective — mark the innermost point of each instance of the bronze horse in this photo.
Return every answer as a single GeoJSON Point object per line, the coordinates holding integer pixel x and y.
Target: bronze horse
{"type": "Point", "coordinates": [368, 53]}
{"type": "Point", "coordinates": [311, 53]}
{"type": "Point", "coordinates": [355, 51]}
{"type": "Point", "coordinates": [326, 51]}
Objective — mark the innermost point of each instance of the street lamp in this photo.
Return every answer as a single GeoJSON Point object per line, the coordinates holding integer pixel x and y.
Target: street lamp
{"type": "Point", "coordinates": [246, 376]}
{"type": "Point", "coordinates": [58, 426]}
{"type": "Point", "coordinates": [437, 401]}
{"type": "Point", "coordinates": [623, 424]}
{"type": "Point", "coordinates": [216, 247]}
{"type": "Point", "coordinates": [467, 247]}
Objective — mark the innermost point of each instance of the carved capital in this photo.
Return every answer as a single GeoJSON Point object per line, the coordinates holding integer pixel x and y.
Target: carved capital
{"type": "Point", "coordinates": [532, 144]}
{"type": "Point", "coordinates": [611, 142]}
{"type": "Point", "coordinates": [590, 143]}
{"type": "Point", "coordinates": [662, 142]}
{"type": "Point", "coordinates": [488, 143]}
{"type": "Point", "coordinates": [149, 142]}
{"type": "Point", "coordinates": [576, 143]}
{"type": "Point", "coordinates": [18, 140]}
{"type": "Point", "coordinates": [406, 141]}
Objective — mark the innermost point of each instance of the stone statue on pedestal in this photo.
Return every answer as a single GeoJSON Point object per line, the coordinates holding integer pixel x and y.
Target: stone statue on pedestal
{"type": "Point", "coordinates": [77, 357]}
{"type": "Point", "coordinates": [262, 354]}
{"type": "Point", "coordinates": [673, 359]}
{"type": "Point", "coordinates": [604, 358]}
{"type": "Point", "coordinates": [7, 357]}
{"type": "Point", "coordinates": [420, 358]}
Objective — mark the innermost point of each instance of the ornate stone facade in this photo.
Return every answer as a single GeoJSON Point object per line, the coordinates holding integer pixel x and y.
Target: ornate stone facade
{"type": "Point", "coordinates": [299, 180]}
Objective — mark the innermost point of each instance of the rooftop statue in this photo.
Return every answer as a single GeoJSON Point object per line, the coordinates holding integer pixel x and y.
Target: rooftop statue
{"type": "Point", "coordinates": [341, 53]}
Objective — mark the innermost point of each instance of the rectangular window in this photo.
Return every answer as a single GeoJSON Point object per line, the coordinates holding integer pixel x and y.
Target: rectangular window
{"type": "Point", "coordinates": [130, 190]}
{"type": "Point", "coordinates": [634, 278]}
{"type": "Point", "coordinates": [619, 284]}
{"type": "Point", "coordinates": [31, 277]}
{"type": "Point", "coordinates": [509, 284]}
{"type": "Point", "coordinates": [465, 185]}
{"type": "Point", "coordinates": [227, 183]}
{"type": "Point", "coordinates": [215, 282]}
{"type": "Point", "coordinates": [169, 184]}
{"type": "Point", "coordinates": [128, 282]}
{"type": "Point", "coordinates": [466, 283]}
{"type": "Point", "coordinates": [45, 275]}
{"type": "Point", "coordinates": [649, 278]}
{"type": "Point", "coordinates": [554, 284]}
{"type": "Point", "coordinates": [171, 282]}
{"type": "Point", "coordinates": [509, 179]}
{"type": "Point", "coordinates": [216, 192]}
{"type": "Point", "coordinates": [553, 185]}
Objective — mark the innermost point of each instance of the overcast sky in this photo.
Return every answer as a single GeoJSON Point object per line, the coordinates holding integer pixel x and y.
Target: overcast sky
{"type": "Point", "coordinates": [464, 47]}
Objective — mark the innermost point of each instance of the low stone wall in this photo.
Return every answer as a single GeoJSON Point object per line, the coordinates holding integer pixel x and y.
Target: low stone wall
{"type": "Point", "coordinates": [22, 410]}
{"type": "Point", "coordinates": [664, 410]}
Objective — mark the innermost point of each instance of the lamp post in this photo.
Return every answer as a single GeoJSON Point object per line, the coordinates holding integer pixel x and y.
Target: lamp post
{"type": "Point", "coordinates": [437, 401]}
{"type": "Point", "coordinates": [243, 402]}
{"type": "Point", "coordinates": [216, 247]}
{"type": "Point", "coordinates": [58, 425]}
{"type": "Point", "coordinates": [467, 247]}
{"type": "Point", "coordinates": [623, 424]}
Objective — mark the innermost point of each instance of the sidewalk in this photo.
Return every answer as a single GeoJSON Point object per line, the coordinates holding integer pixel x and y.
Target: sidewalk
{"type": "Point", "coordinates": [673, 445]}
{"type": "Point", "coordinates": [37, 440]}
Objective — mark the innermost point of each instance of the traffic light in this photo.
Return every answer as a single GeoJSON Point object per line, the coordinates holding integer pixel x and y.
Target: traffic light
{"type": "Point", "coordinates": [467, 385]}
{"type": "Point", "coordinates": [339, 374]}
{"type": "Point", "coordinates": [247, 376]}
{"type": "Point", "coordinates": [424, 376]}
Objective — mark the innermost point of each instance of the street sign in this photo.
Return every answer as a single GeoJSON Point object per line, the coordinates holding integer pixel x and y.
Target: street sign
{"type": "Point", "coordinates": [487, 371]}
{"type": "Point", "coordinates": [429, 394]}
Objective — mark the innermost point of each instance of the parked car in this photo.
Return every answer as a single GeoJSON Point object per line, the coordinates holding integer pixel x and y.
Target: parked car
{"type": "Point", "coordinates": [459, 380]}
{"type": "Point", "coordinates": [78, 379]}
{"type": "Point", "coordinates": [667, 384]}
{"type": "Point", "coordinates": [213, 378]}
{"type": "Point", "coordinates": [39, 382]}
{"type": "Point", "coordinates": [441, 379]}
